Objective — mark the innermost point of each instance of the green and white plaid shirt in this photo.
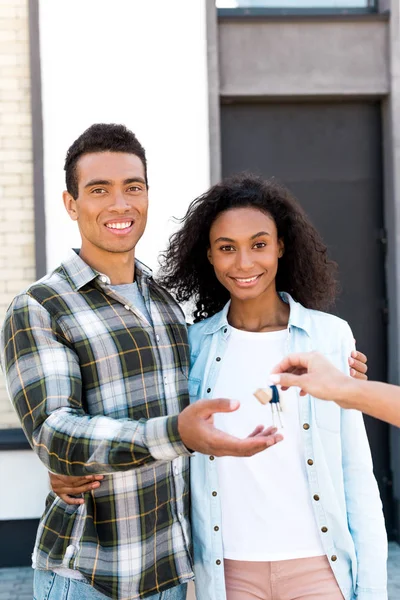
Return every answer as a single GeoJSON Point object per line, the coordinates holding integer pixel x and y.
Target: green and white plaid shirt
{"type": "Point", "coordinates": [98, 389]}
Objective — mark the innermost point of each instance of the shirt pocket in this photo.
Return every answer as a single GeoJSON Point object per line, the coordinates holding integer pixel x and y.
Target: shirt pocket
{"type": "Point", "coordinates": [194, 389]}
{"type": "Point", "coordinates": [327, 415]}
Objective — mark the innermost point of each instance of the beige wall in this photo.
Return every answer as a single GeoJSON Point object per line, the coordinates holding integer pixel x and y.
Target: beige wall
{"type": "Point", "coordinates": [17, 251]}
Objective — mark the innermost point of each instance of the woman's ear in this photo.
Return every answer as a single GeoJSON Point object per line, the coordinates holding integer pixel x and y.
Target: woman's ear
{"type": "Point", "coordinates": [281, 248]}
{"type": "Point", "coordinates": [209, 255]}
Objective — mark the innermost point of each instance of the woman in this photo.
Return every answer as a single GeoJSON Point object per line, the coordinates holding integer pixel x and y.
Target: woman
{"type": "Point", "coordinates": [303, 520]}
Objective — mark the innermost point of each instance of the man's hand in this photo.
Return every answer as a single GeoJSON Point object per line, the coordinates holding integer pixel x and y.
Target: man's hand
{"type": "Point", "coordinates": [68, 486]}
{"type": "Point", "coordinates": [197, 431]}
{"type": "Point", "coordinates": [358, 365]}
{"type": "Point", "coordinates": [314, 375]}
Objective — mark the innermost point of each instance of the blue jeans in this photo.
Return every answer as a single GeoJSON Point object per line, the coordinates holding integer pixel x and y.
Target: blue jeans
{"type": "Point", "coordinates": [49, 586]}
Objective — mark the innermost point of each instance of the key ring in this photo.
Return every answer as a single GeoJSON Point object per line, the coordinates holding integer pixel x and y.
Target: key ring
{"type": "Point", "coordinates": [272, 397]}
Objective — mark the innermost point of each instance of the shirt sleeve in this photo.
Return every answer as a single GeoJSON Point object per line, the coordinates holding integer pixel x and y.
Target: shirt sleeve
{"type": "Point", "coordinates": [44, 382]}
{"type": "Point", "coordinates": [364, 506]}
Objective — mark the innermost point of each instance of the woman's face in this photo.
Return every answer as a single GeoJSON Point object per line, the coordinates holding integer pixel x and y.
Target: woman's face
{"type": "Point", "coordinates": [244, 251]}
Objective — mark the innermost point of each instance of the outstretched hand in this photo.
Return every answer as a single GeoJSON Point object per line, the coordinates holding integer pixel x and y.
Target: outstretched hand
{"type": "Point", "coordinates": [197, 431]}
{"type": "Point", "coordinates": [313, 374]}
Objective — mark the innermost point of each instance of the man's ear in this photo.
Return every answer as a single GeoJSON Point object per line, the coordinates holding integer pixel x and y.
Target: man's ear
{"type": "Point", "coordinates": [281, 248]}
{"type": "Point", "coordinates": [70, 205]}
{"type": "Point", "coordinates": [209, 255]}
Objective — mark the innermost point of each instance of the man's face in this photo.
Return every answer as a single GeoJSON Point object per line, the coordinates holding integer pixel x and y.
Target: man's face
{"type": "Point", "coordinates": [112, 202]}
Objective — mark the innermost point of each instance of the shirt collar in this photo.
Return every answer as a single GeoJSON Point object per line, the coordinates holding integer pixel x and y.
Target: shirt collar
{"type": "Point", "coordinates": [79, 273]}
{"type": "Point", "coordinates": [299, 316]}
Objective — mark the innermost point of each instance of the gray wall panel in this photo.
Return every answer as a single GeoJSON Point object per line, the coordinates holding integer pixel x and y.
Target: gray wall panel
{"type": "Point", "coordinates": [303, 57]}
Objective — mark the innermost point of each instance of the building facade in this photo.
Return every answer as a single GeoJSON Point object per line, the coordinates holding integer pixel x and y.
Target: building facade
{"type": "Point", "coordinates": [307, 91]}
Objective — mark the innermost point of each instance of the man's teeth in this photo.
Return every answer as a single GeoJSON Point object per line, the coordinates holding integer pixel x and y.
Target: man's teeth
{"type": "Point", "coordinates": [119, 225]}
{"type": "Point", "coordinates": [246, 280]}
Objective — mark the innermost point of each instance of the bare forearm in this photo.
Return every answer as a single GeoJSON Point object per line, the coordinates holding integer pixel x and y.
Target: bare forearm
{"type": "Point", "coordinates": [379, 400]}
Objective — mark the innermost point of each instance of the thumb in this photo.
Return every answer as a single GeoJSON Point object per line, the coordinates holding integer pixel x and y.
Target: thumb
{"type": "Point", "coordinates": [287, 380]}
{"type": "Point", "coordinates": [218, 405]}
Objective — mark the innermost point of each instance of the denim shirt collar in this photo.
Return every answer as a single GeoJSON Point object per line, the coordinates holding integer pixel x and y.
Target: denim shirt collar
{"type": "Point", "coordinates": [299, 316]}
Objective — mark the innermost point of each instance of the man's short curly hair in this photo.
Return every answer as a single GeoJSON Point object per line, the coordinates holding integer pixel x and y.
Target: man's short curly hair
{"type": "Point", "coordinates": [304, 271]}
{"type": "Point", "coordinates": [101, 137]}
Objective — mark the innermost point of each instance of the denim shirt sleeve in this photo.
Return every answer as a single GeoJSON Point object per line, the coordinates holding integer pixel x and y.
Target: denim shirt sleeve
{"type": "Point", "coordinates": [364, 506]}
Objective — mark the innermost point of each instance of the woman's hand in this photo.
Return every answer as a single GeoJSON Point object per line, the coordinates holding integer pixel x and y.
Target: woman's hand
{"type": "Point", "coordinates": [67, 487]}
{"type": "Point", "coordinates": [358, 365]}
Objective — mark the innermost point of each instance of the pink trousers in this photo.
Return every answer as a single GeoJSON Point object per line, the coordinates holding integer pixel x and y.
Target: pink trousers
{"type": "Point", "coordinates": [297, 579]}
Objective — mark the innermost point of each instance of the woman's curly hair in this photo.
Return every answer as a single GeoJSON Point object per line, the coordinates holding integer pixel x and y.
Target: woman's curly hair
{"type": "Point", "coordinates": [304, 271]}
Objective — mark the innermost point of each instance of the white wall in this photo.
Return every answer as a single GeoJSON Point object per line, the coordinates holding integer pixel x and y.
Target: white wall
{"type": "Point", "coordinates": [25, 485]}
{"type": "Point", "coordinates": [137, 62]}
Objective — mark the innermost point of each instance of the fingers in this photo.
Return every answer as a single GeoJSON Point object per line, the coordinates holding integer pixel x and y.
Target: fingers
{"type": "Point", "coordinates": [256, 431]}
{"type": "Point", "coordinates": [261, 431]}
{"type": "Point", "coordinates": [78, 489]}
{"type": "Point", "coordinates": [357, 375]}
{"type": "Point", "coordinates": [207, 408]}
{"type": "Point", "coordinates": [359, 356]}
{"type": "Point", "coordinates": [70, 500]}
{"type": "Point", "coordinates": [227, 445]}
{"type": "Point", "coordinates": [358, 368]}
{"type": "Point", "coordinates": [290, 362]}
{"type": "Point", "coordinates": [287, 380]}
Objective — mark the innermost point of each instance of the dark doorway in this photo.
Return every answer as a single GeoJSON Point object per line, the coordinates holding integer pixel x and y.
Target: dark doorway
{"type": "Point", "coordinates": [329, 155]}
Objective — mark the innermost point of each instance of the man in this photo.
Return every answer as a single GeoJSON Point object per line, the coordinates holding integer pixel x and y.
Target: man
{"type": "Point", "coordinates": [96, 361]}
{"type": "Point", "coordinates": [315, 375]}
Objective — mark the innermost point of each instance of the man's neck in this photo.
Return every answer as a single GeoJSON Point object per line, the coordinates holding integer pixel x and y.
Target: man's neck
{"type": "Point", "coordinates": [118, 266]}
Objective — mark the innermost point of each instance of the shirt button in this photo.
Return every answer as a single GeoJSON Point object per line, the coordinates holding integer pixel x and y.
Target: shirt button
{"type": "Point", "coordinates": [211, 458]}
{"type": "Point", "coordinates": [218, 562]}
{"type": "Point", "coordinates": [157, 338]}
{"type": "Point", "coordinates": [216, 528]}
{"type": "Point", "coordinates": [214, 494]}
{"type": "Point", "coordinates": [180, 515]}
{"type": "Point", "coordinates": [333, 557]}
{"type": "Point", "coordinates": [103, 279]}
{"type": "Point", "coordinates": [225, 330]}
{"type": "Point", "coordinates": [176, 470]}
{"type": "Point", "coordinates": [324, 529]}
{"type": "Point", "coordinates": [208, 390]}
{"type": "Point", "coordinates": [310, 462]}
{"type": "Point", "coordinates": [126, 306]}
{"type": "Point", "coordinates": [218, 358]}
{"type": "Point", "coordinates": [316, 497]}
{"type": "Point", "coordinates": [306, 426]}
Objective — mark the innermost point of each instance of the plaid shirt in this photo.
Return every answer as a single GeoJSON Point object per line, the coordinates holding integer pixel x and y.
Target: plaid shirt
{"type": "Point", "coordinates": [98, 390]}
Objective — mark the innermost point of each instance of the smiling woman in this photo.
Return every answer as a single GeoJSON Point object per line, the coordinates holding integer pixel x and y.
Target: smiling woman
{"type": "Point", "coordinates": [276, 228]}
{"type": "Point", "coordinates": [291, 519]}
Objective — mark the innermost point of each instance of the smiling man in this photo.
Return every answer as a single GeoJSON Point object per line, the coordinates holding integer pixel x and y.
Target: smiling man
{"type": "Point", "coordinates": [96, 361]}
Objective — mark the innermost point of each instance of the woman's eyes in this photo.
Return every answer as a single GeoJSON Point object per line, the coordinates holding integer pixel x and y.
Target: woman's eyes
{"type": "Point", "coordinates": [230, 248]}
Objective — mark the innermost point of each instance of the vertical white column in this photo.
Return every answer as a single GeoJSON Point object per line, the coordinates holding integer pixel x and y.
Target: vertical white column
{"type": "Point", "coordinates": [138, 62]}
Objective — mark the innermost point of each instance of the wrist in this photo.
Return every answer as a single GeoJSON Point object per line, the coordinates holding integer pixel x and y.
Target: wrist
{"type": "Point", "coordinates": [348, 392]}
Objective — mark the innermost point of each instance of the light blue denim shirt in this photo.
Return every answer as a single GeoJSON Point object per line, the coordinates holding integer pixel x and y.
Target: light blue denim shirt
{"type": "Point", "coordinates": [344, 493]}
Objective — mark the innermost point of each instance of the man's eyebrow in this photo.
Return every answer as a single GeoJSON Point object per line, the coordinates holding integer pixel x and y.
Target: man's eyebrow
{"type": "Point", "coordinates": [98, 182]}
{"type": "Point", "coordinates": [134, 180]}
{"type": "Point", "coordinates": [109, 182]}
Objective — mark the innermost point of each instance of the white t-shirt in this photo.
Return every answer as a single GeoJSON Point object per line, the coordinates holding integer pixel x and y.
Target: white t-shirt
{"type": "Point", "coordinates": [266, 504]}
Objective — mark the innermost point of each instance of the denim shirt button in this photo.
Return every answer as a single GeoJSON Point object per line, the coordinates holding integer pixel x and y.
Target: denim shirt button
{"type": "Point", "coordinates": [208, 390]}
{"type": "Point", "coordinates": [211, 458]}
{"type": "Point", "coordinates": [218, 562]}
{"type": "Point", "coordinates": [218, 358]}
{"type": "Point", "coordinates": [333, 558]}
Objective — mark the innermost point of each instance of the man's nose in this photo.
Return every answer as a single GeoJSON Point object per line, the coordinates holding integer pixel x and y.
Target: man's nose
{"type": "Point", "coordinates": [119, 203]}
